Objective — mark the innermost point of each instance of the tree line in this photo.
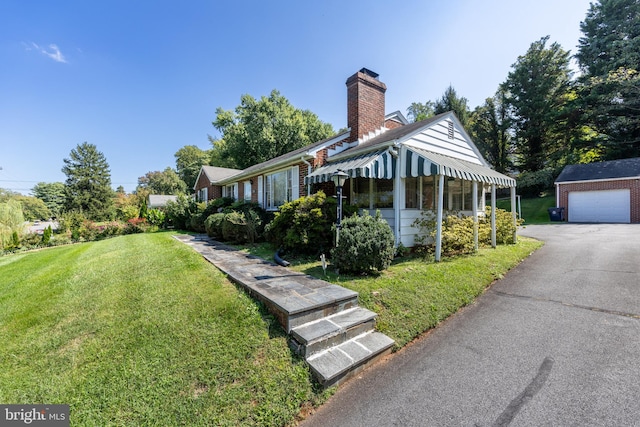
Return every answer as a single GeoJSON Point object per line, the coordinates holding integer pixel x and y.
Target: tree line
{"type": "Point", "coordinates": [541, 118]}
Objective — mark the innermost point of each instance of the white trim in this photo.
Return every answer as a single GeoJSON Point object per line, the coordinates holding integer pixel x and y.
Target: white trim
{"type": "Point", "coordinates": [586, 181]}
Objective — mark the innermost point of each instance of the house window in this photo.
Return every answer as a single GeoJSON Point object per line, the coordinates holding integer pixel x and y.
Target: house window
{"type": "Point", "coordinates": [281, 187]}
{"type": "Point", "coordinates": [360, 192]}
{"type": "Point", "coordinates": [382, 193]}
{"type": "Point", "coordinates": [202, 194]}
{"type": "Point", "coordinates": [411, 193]}
{"type": "Point", "coordinates": [247, 190]}
{"type": "Point", "coordinates": [369, 193]}
{"type": "Point", "coordinates": [428, 192]}
{"type": "Point", "coordinates": [424, 192]}
{"type": "Point", "coordinates": [230, 191]}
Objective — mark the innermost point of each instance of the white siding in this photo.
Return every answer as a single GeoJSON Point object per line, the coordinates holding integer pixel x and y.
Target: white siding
{"type": "Point", "coordinates": [387, 215]}
{"type": "Point", "coordinates": [436, 139]}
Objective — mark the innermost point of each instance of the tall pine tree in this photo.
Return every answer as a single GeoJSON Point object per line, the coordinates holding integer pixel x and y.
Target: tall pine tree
{"type": "Point", "coordinates": [88, 185]}
{"type": "Point", "coordinates": [537, 87]}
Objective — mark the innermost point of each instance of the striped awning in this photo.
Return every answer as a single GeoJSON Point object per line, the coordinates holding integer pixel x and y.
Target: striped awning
{"type": "Point", "coordinates": [376, 164]}
{"type": "Point", "coordinates": [417, 162]}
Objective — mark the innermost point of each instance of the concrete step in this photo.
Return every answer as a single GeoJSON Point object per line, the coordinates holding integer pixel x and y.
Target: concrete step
{"type": "Point", "coordinates": [319, 335]}
{"type": "Point", "coordinates": [340, 362]}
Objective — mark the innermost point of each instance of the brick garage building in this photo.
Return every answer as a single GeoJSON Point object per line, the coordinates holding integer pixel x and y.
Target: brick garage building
{"type": "Point", "coordinates": [601, 192]}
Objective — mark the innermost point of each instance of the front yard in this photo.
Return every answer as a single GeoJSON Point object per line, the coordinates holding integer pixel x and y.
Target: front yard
{"type": "Point", "coordinates": [140, 330]}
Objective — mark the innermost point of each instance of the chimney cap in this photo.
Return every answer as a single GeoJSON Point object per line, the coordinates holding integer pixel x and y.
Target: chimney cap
{"type": "Point", "coordinates": [370, 73]}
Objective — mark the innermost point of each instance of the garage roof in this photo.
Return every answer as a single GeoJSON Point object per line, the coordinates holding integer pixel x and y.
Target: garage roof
{"type": "Point", "coordinates": [612, 169]}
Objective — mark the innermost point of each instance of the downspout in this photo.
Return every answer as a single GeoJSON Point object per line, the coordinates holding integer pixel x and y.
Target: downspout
{"type": "Point", "coordinates": [396, 200]}
{"type": "Point", "coordinates": [309, 167]}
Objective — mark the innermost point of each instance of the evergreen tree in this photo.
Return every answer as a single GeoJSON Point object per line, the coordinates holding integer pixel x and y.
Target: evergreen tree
{"type": "Point", "coordinates": [490, 130]}
{"type": "Point", "coordinates": [88, 184]}
{"type": "Point", "coordinates": [611, 37]}
{"type": "Point", "coordinates": [609, 55]}
{"type": "Point", "coordinates": [52, 194]}
{"type": "Point", "coordinates": [450, 101]}
{"type": "Point", "coordinates": [537, 90]}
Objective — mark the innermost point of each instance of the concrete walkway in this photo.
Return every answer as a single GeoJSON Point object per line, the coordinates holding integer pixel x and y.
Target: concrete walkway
{"type": "Point", "coordinates": [335, 336]}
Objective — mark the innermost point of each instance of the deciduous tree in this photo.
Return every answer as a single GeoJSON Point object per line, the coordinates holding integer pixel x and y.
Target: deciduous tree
{"type": "Point", "coordinates": [189, 160]}
{"type": "Point", "coordinates": [261, 129]}
{"type": "Point", "coordinates": [165, 182]}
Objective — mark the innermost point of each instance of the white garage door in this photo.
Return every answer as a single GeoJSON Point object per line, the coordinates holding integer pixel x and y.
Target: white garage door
{"type": "Point", "coordinates": [600, 206]}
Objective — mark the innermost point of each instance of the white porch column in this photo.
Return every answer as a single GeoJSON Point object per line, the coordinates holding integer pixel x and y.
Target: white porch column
{"type": "Point", "coordinates": [439, 217]}
{"type": "Point", "coordinates": [474, 200]}
{"type": "Point", "coordinates": [493, 215]}
{"type": "Point", "coordinates": [514, 215]}
{"type": "Point", "coordinates": [398, 201]}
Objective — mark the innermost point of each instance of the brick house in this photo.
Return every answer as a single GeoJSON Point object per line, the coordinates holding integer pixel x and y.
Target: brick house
{"type": "Point", "coordinates": [207, 186]}
{"type": "Point", "coordinates": [394, 166]}
{"type": "Point", "coordinates": [600, 192]}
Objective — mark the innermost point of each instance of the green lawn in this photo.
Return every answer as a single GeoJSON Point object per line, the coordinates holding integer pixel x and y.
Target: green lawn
{"type": "Point", "coordinates": [141, 330]}
{"type": "Point", "coordinates": [414, 295]}
{"type": "Point", "coordinates": [534, 209]}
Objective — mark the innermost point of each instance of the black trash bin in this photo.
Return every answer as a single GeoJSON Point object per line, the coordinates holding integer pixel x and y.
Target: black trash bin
{"type": "Point", "coordinates": [556, 214]}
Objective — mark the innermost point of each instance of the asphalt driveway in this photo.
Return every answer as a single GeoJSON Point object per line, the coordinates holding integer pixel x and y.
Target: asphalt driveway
{"type": "Point", "coordinates": [554, 343]}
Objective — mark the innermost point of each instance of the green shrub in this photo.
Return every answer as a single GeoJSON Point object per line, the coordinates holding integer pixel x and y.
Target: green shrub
{"type": "Point", "coordinates": [213, 225]}
{"type": "Point", "coordinates": [457, 231]}
{"type": "Point", "coordinates": [366, 244]}
{"type": "Point", "coordinates": [305, 225]}
{"type": "Point", "coordinates": [504, 227]}
{"type": "Point", "coordinates": [535, 183]}
{"type": "Point", "coordinates": [233, 227]}
{"type": "Point", "coordinates": [156, 217]}
{"type": "Point", "coordinates": [46, 235]}
{"type": "Point", "coordinates": [179, 212]}
{"type": "Point", "coordinates": [196, 222]}
{"type": "Point", "coordinates": [135, 225]}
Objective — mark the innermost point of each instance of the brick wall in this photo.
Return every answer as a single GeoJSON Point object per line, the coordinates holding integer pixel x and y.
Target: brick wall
{"type": "Point", "coordinates": [632, 184]}
{"type": "Point", "coordinates": [365, 104]}
{"type": "Point", "coordinates": [213, 191]}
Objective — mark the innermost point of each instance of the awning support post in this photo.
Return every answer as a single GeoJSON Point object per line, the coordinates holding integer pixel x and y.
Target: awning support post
{"type": "Point", "coordinates": [514, 215]}
{"type": "Point", "coordinates": [474, 201]}
{"type": "Point", "coordinates": [493, 215]}
{"type": "Point", "coordinates": [439, 217]}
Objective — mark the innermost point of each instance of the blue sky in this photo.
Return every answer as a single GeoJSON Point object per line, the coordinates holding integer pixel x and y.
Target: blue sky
{"type": "Point", "coordinates": [141, 79]}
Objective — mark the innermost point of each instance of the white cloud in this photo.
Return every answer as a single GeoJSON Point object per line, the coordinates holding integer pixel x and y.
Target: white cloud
{"type": "Point", "coordinates": [52, 52]}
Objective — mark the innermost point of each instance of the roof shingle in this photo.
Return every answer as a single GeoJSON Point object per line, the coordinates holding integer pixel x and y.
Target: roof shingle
{"type": "Point", "coordinates": [612, 169]}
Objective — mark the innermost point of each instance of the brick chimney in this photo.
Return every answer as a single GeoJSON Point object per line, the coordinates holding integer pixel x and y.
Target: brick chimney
{"type": "Point", "coordinates": [365, 103]}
